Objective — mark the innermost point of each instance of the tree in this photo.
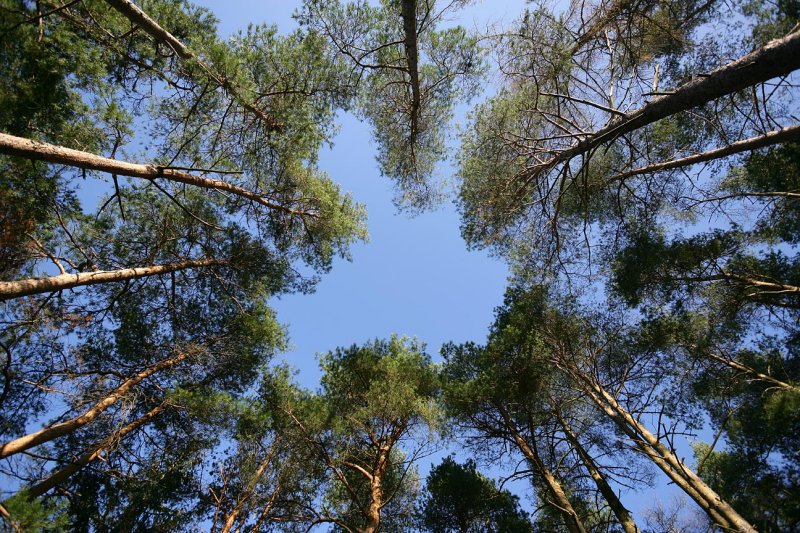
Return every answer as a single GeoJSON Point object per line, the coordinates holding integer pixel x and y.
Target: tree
{"type": "Point", "coordinates": [509, 394]}
{"type": "Point", "coordinates": [409, 76]}
{"type": "Point", "coordinates": [113, 314]}
{"type": "Point", "coordinates": [460, 499]}
{"type": "Point", "coordinates": [374, 416]}
{"type": "Point", "coordinates": [584, 142]}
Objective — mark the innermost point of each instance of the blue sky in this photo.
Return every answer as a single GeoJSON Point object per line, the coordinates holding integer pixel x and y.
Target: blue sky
{"type": "Point", "coordinates": [415, 276]}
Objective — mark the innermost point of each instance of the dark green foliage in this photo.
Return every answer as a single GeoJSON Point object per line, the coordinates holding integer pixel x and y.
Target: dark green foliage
{"type": "Point", "coordinates": [459, 499]}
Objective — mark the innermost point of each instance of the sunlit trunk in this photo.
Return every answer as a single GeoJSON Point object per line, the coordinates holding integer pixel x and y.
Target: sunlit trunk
{"type": "Point", "coordinates": [49, 433]}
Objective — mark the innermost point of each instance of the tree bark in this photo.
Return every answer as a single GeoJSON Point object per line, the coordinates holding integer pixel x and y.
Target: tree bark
{"type": "Point", "coordinates": [41, 151]}
{"type": "Point", "coordinates": [409, 14]}
{"type": "Point", "coordinates": [139, 18]}
{"type": "Point", "coordinates": [230, 520]}
{"type": "Point", "coordinates": [782, 135]}
{"type": "Point", "coordinates": [49, 433]}
{"type": "Point", "coordinates": [753, 372]}
{"type": "Point", "coordinates": [79, 463]}
{"type": "Point", "coordinates": [778, 57]}
{"type": "Point", "coordinates": [623, 516]}
{"type": "Point", "coordinates": [718, 510]}
{"type": "Point", "coordinates": [376, 491]}
{"type": "Point", "coordinates": [561, 500]}
{"type": "Point", "coordinates": [27, 287]}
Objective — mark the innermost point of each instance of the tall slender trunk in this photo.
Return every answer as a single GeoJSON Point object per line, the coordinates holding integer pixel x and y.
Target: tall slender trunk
{"type": "Point", "coordinates": [560, 499]}
{"type": "Point", "coordinates": [719, 510]}
{"type": "Point", "coordinates": [409, 15]}
{"type": "Point", "coordinates": [49, 433]}
{"type": "Point", "coordinates": [41, 151]}
{"type": "Point", "coordinates": [27, 287]}
{"type": "Point", "coordinates": [778, 57]}
{"type": "Point", "coordinates": [753, 372]}
{"type": "Point", "coordinates": [782, 135]}
{"type": "Point", "coordinates": [623, 516]}
{"type": "Point", "coordinates": [77, 464]}
{"type": "Point", "coordinates": [141, 19]}
{"type": "Point", "coordinates": [230, 520]}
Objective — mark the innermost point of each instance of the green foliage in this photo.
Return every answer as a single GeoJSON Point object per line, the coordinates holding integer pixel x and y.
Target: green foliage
{"type": "Point", "coordinates": [34, 516]}
{"type": "Point", "coordinates": [766, 495]}
{"type": "Point", "coordinates": [390, 381]}
{"type": "Point", "coordinates": [460, 499]}
{"type": "Point", "coordinates": [408, 105]}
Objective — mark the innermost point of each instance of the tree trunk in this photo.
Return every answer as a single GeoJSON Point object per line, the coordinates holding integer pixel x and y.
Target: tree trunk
{"type": "Point", "coordinates": [753, 372]}
{"type": "Point", "coordinates": [376, 491]}
{"type": "Point", "coordinates": [79, 463]}
{"type": "Point", "coordinates": [409, 14]}
{"type": "Point", "coordinates": [720, 511]}
{"type": "Point", "coordinates": [623, 516]}
{"type": "Point", "coordinates": [139, 18]}
{"type": "Point", "coordinates": [49, 433]}
{"type": "Point", "coordinates": [27, 287]}
{"type": "Point", "coordinates": [560, 500]}
{"type": "Point", "coordinates": [41, 151]}
{"type": "Point", "coordinates": [768, 139]}
{"type": "Point", "coordinates": [230, 520]}
{"type": "Point", "coordinates": [777, 58]}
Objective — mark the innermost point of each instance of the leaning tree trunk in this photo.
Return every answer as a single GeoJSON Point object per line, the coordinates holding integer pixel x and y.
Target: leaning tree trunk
{"type": "Point", "coordinates": [717, 509]}
{"type": "Point", "coordinates": [778, 57]}
{"type": "Point", "coordinates": [141, 19]}
{"type": "Point", "coordinates": [623, 516]}
{"type": "Point", "coordinates": [53, 432]}
{"type": "Point", "coordinates": [230, 520]}
{"type": "Point", "coordinates": [771, 138]}
{"type": "Point", "coordinates": [62, 475]}
{"type": "Point", "coordinates": [560, 499]}
{"type": "Point", "coordinates": [27, 287]}
{"type": "Point", "coordinates": [41, 151]}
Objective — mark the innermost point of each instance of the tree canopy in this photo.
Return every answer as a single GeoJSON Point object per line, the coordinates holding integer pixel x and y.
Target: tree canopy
{"type": "Point", "coordinates": [636, 164]}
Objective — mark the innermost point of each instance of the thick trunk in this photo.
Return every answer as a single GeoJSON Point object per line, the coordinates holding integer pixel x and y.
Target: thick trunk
{"type": "Point", "coordinates": [718, 510]}
{"type": "Point", "coordinates": [623, 516]}
{"type": "Point", "coordinates": [777, 58]}
{"type": "Point", "coordinates": [41, 151]}
{"type": "Point", "coordinates": [139, 18]}
{"type": "Point", "coordinates": [376, 491]}
{"type": "Point", "coordinates": [49, 433]}
{"type": "Point", "coordinates": [60, 476]}
{"type": "Point", "coordinates": [27, 287]}
{"type": "Point", "coordinates": [560, 499]}
{"type": "Point", "coordinates": [768, 139]}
